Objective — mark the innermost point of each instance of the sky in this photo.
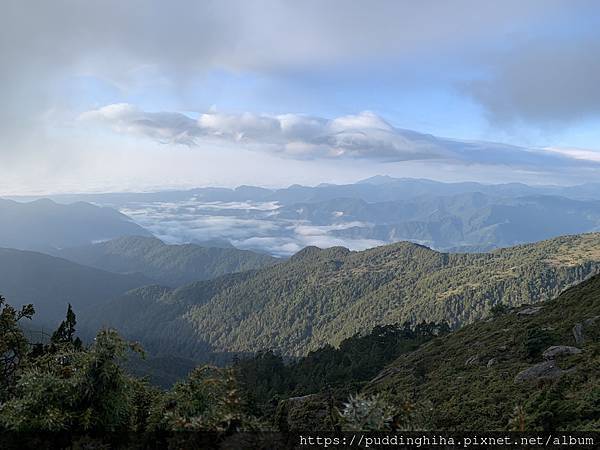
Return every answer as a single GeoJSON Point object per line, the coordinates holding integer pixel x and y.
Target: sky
{"type": "Point", "coordinates": [147, 95]}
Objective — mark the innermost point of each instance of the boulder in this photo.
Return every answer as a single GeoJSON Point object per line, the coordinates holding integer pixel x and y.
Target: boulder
{"type": "Point", "coordinates": [545, 371]}
{"type": "Point", "coordinates": [557, 351]}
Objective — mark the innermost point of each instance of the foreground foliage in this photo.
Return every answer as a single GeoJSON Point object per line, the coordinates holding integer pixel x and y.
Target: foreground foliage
{"type": "Point", "coordinates": [64, 386]}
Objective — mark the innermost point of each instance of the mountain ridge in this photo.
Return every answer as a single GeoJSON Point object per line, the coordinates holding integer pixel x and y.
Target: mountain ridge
{"type": "Point", "coordinates": [325, 296]}
{"type": "Point", "coordinates": [44, 225]}
{"type": "Point", "coordinates": [171, 265]}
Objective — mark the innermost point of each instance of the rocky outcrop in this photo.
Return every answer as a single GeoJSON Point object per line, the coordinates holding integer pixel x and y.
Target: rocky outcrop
{"type": "Point", "coordinates": [545, 371]}
{"type": "Point", "coordinates": [556, 351]}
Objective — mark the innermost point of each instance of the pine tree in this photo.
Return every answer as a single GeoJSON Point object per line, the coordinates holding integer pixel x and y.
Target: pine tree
{"type": "Point", "coordinates": [66, 331]}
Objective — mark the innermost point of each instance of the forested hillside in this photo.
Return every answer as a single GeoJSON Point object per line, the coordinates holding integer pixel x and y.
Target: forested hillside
{"type": "Point", "coordinates": [337, 372]}
{"type": "Point", "coordinates": [529, 368]}
{"type": "Point", "coordinates": [171, 265]}
{"type": "Point", "coordinates": [321, 297]}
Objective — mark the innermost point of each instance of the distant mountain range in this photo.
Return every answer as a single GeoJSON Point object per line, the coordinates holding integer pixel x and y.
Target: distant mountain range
{"type": "Point", "coordinates": [320, 297]}
{"type": "Point", "coordinates": [196, 300]}
{"type": "Point", "coordinates": [374, 189]}
{"type": "Point", "coordinates": [455, 217]}
{"type": "Point", "coordinates": [459, 222]}
{"type": "Point", "coordinates": [44, 225]}
{"type": "Point", "coordinates": [169, 265]}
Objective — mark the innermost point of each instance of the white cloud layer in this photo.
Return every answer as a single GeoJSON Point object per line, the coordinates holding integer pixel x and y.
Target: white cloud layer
{"type": "Point", "coordinates": [364, 135]}
{"type": "Point", "coordinates": [360, 136]}
{"type": "Point", "coordinates": [250, 227]}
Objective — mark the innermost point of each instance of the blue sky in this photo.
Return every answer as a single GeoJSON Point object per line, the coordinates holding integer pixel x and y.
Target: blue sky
{"type": "Point", "coordinates": [144, 95]}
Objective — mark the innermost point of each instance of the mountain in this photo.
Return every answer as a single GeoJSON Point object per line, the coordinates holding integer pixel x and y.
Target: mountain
{"type": "Point", "coordinates": [468, 221]}
{"type": "Point", "coordinates": [51, 283]}
{"type": "Point", "coordinates": [375, 189]}
{"type": "Point", "coordinates": [531, 368]}
{"type": "Point", "coordinates": [45, 225]}
{"type": "Point", "coordinates": [170, 265]}
{"type": "Point", "coordinates": [321, 297]}
{"type": "Point", "coordinates": [452, 217]}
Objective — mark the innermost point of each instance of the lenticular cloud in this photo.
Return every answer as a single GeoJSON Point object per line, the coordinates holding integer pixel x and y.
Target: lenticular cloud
{"type": "Point", "coordinates": [359, 136]}
{"type": "Point", "coordinates": [364, 135]}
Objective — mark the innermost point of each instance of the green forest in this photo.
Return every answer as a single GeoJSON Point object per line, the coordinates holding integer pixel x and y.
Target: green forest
{"type": "Point", "coordinates": [523, 368]}
{"type": "Point", "coordinates": [321, 297]}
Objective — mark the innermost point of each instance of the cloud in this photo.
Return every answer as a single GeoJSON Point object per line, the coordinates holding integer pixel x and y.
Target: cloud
{"type": "Point", "coordinates": [549, 82]}
{"type": "Point", "coordinates": [251, 227]}
{"type": "Point", "coordinates": [42, 43]}
{"type": "Point", "coordinates": [360, 136]}
{"type": "Point", "coordinates": [364, 135]}
{"type": "Point", "coordinates": [165, 127]}
{"type": "Point", "coordinates": [577, 153]}
{"type": "Point", "coordinates": [531, 61]}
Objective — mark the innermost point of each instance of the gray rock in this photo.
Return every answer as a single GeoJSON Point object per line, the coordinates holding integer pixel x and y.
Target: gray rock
{"type": "Point", "coordinates": [530, 311]}
{"type": "Point", "coordinates": [545, 371]}
{"type": "Point", "coordinates": [578, 334]}
{"type": "Point", "coordinates": [492, 361]}
{"type": "Point", "coordinates": [472, 361]}
{"type": "Point", "coordinates": [557, 351]}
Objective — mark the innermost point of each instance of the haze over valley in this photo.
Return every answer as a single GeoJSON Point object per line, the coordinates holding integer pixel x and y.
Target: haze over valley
{"type": "Point", "coordinates": [454, 217]}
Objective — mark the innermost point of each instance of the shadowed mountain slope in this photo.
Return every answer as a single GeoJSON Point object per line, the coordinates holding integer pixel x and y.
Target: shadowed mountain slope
{"type": "Point", "coordinates": [44, 225]}
{"type": "Point", "coordinates": [51, 283]}
{"type": "Point", "coordinates": [170, 265]}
